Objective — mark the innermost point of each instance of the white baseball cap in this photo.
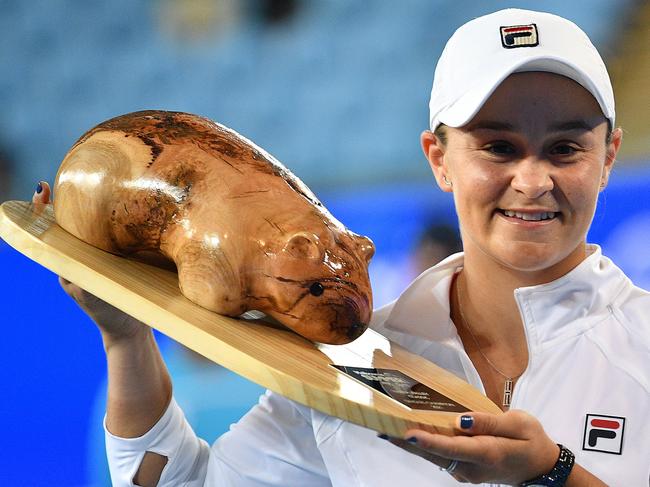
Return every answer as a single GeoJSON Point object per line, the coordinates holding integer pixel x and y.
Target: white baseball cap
{"type": "Point", "coordinates": [485, 51]}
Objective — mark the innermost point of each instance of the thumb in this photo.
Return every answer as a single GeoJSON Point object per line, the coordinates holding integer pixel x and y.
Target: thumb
{"type": "Point", "coordinates": [42, 193]}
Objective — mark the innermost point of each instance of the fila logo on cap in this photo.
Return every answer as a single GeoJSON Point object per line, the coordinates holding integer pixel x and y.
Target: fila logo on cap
{"type": "Point", "coordinates": [519, 36]}
{"type": "Point", "coordinates": [604, 434]}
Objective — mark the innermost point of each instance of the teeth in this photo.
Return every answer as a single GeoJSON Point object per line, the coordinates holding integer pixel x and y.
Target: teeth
{"type": "Point", "coordinates": [544, 215]}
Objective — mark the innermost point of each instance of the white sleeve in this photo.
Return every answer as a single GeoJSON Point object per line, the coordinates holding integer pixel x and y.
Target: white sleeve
{"type": "Point", "coordinates": [172, 436]}
{"type": "Point", "coordinates": [273, 445]}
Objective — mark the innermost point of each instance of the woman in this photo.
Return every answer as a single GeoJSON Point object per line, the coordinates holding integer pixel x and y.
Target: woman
{"type": "Point", "coordinates": [522, 133]}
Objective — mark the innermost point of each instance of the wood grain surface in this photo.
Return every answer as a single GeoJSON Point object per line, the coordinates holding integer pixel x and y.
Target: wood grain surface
{"type": "Point", "coordinates": [243, 232]}
{"type": "Point", "coordinates": [275, 358]}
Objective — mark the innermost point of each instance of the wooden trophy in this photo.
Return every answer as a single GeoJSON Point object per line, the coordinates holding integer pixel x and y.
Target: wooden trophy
{"type": "Point", "coordinates": [214, 229]}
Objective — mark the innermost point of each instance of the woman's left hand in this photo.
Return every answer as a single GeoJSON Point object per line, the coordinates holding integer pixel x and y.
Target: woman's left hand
{"type": "Point", "coordinates": [510, 448]}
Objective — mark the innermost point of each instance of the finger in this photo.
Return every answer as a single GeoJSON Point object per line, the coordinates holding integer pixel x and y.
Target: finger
{"type": "Point", "coordinates": [42, 193]}
{"type": "Point", "coordinates": [70, 288]}
{"type": "Point", "coordinates": [75, 292]}
{"type": "Point", "coordinates": [472, 449]}
{"type": "Point", "coordinates": [65, 284]}
{"type": "Point", "coordinates": [513, 424]}
{"type": "Point", "coordinates": [411, 447]}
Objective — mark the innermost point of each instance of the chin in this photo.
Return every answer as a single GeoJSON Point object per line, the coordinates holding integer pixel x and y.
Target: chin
{"type": "Point", "coordinates": [539, 259]}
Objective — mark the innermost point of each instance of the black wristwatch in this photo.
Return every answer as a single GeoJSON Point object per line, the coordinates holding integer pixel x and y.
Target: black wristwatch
{"type": "Point", "coordinates": [558, 474]}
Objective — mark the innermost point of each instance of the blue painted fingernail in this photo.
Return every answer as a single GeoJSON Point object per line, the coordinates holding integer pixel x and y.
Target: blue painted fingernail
{"type": "Point", "coordinates": [383, 436]}
{"type": "Point", "coordinates": [466, 422]}
{"type": "Point", "coordinates": [39, 188]}
{"type": "Point", "coordinates": [412, 440]}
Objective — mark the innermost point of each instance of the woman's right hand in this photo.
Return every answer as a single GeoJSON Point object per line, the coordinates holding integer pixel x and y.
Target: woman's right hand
{"type": "Point", "coordinates": [113, 324]}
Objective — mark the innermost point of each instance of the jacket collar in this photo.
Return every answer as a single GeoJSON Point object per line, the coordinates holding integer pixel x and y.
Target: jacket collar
{"type": "Point", "coordinates": [423, 308]}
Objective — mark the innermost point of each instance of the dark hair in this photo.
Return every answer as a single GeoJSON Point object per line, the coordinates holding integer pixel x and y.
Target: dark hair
{"type": "Point", "coordinates": [443, 234]}
{"type": "Point", "coordinates": [441, 134]}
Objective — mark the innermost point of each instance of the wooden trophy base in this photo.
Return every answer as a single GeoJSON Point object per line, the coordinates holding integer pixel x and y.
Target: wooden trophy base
{"type": "Point", "coordinates": [352, 382]}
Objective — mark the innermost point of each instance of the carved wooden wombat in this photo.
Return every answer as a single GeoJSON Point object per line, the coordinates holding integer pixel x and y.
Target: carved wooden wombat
{"type": "Point", "coordinates": [243, 231]}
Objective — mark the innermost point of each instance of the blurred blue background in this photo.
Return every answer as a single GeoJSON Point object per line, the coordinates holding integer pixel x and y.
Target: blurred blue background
{"type": "Point", "coordinates": [337, 90]}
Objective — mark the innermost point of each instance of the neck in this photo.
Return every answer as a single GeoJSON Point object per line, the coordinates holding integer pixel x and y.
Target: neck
{"type": "Point", "coordinates": [493, 338]}
{"type": "Point", "coordinates": [488, 288]}
{"type": "Point", "coordinates": [487, 298]}
{"type": "Point", "coordinates": [489, 310]}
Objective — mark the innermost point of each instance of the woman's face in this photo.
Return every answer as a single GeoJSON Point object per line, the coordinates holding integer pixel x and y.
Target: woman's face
{"type": "Point", "coordinates": [526, 171]}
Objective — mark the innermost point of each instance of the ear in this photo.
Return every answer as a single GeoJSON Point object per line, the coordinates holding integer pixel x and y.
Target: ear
{"type": "Point", "coordinates": [434, 151]}
{"type": "Point", "coordinates": [366, 247]}
{"type": "Point", "coordinates": [304, 245]}
{"type": "Point", "coordinates": [612, 150]}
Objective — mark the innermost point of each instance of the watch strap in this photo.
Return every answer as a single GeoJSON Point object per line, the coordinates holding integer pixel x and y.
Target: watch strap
{"type": "Point", "coordinates": [558, 475]}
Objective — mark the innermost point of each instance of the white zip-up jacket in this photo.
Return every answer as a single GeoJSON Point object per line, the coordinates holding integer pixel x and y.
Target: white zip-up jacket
{"type": "Point", "coordinates": [587, 381]}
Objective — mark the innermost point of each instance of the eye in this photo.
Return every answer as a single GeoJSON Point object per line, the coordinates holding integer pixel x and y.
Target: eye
{"type": "Point", "coordinates": [563, 149]}
{"type": "Point", "coordinates": [316, 289]}
{"type": "Point", "coordinates": [500, 148]}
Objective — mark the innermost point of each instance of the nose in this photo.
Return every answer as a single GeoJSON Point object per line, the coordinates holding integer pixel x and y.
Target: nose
{"type": "Point", "coordinates": [355, 330]}
{"type": "Point", "coordinates": [532, 178]}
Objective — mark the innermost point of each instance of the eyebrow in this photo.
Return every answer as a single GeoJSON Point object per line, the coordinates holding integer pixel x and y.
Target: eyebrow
{"type": "Point", "coordinates": [572, 125]}
{"type": "Point", "coordinates": [556, 127]}
{"type": "Point", "coordinates": [491, 125]}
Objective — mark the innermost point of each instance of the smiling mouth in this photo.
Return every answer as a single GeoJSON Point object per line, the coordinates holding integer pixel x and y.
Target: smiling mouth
{"type": "Point", "coordinates": [530, 216]}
